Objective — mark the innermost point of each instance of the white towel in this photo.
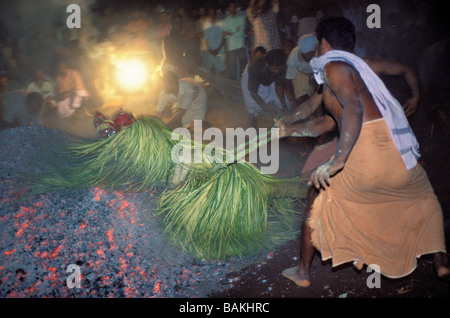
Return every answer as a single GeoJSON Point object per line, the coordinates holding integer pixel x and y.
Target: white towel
{"type": "Point", "coordinates": [391, 110]}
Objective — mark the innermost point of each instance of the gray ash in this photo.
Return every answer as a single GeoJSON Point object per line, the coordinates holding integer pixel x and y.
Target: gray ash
{"type": "Point", "coordinates": [120, 251]}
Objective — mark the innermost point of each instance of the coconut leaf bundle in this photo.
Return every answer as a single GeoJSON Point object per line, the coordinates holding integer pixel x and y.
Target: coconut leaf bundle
{"type": "Point", "coordinates": [232, 212]}
{"type": "Point", "coordinates": [228, 209]}
{"type": "Point", "coordinates": [138, 157]}
{"type": "Point", "coordinates": [221, 209]}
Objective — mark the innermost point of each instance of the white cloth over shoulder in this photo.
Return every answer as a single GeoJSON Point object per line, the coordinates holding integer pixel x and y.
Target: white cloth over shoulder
{"type": "Point", "coordinates": [391, 110]}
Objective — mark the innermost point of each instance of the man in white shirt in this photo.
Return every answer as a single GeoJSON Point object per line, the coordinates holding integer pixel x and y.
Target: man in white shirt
{"type": "Point", "coordinates": [234, 28]}
{"type": "Point", "coordinates": [43, 85]}
{"type": "Point", "coordinates": [187, 99]}
{"type": "Point", "coordinates": [299, 75]}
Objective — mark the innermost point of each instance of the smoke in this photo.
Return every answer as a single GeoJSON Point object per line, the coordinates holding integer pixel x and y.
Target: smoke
{"type": "Point", "coordinates": [34, 30]}
{"type": "Point", "coordinates": [23, 17]}
{"type": "Point", "coordinates": [36, 26]}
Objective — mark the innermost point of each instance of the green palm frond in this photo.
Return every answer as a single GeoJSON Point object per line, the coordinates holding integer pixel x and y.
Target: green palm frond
{"type": "Point", "coordinates": [138, 156]}
{"type": "Point", "coordinates": [232, 212]}
{"type": "Point", "coordinates": [219, 210]}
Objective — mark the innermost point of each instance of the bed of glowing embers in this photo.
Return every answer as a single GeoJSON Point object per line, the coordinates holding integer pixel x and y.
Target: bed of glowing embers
{"type": "Point", "coordinates": [88, 243]}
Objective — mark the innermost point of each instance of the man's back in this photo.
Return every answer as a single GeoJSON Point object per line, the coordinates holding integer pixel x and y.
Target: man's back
{"type": "Point", "coordinates": [343, 85]}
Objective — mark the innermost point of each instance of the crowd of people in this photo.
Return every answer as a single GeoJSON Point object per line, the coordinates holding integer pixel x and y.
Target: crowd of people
{"type": "Point", "coordinates": [218, 36]}
{"type": "Point", "coordinates": [72, 67]}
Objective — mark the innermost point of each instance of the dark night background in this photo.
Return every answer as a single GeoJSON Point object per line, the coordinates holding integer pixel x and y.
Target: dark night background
{"type": "Point", "coordinates": [413, 32]}
{"type": "Point", "coordinates": [408, 28]}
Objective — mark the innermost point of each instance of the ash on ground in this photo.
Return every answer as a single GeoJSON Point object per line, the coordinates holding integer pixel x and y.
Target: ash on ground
{"type": "Point", "coordinates": [108, 237]}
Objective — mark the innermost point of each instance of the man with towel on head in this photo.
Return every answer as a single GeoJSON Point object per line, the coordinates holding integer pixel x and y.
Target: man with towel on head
{"type": "Point", "coordinates": [300, 83]}
{"type": "Point", "coordinates": [375, 204]}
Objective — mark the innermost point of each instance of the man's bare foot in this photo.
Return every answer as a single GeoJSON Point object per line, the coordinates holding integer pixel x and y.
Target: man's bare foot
{"type": "Point", "coordinates": [441, 265]}
{"type": "Point", "coordinates": [297, 276]}
{"type": "Point", "coordinates": [358, 265]}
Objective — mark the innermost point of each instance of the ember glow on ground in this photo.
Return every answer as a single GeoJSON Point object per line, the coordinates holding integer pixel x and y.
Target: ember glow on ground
{"type": "Point", "coordinates": [121, 252]}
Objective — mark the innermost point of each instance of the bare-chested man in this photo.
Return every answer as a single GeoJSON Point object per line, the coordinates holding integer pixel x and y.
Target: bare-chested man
{"type": "Point", "coordinates": [315, 123]}
{"type": "Point", "coordinates": [352, 178]}
{"type": "Point", "coordinates": [319, 125]}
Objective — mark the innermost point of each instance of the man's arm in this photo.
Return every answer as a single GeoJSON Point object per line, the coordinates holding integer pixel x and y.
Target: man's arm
{"type": "Point", "coordinates": [227, 30]}
{"type": "Point", "coordinates": [305, 109]}
{"type": "Point", "coordinates": [312, 128]}
{"type": "Point", "coordinates": [216, 51]}
{"type": "Point", "coordinates": [63, 95]}
{"type": "Point", "coordinates": [291, 73]}
{"type": "Point", "coordinates": [290, 93]}
{"type": "Point", "coordinates": [279, 90]}
{"type": "Point", "coordinates": [273, 112]}
{"type": "Point", "coordinates": [251, 11]}
{"type": "Point", "coordinates": [175, 121]}
{"type": "Point", "coordinates": [341, 89]}
{"type": "Point", "coordinates": [385, 67]}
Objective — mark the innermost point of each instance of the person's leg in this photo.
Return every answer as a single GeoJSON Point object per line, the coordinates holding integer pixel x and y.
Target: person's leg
{"type": "Point", "coordinates": [231, 65]}
{"type": "Point", "coordinates": [300, 274]}
{"type": "Point", "coordinates": [207, 61]}
{"type": "Point", "coordinates": [219, 64]}
{"type": "Point", "coordinates": [242, 57]}
{"type": "Point", "coordinates": [440, 262]}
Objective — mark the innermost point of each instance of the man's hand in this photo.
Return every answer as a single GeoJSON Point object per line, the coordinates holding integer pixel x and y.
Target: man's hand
{"type": "Point", "coordinates": [294, 103]}
{"type": "Point", "coordinates": [298, 114]}
{"type": "Point", "coordinates": [322, 175]}
{"type": "Point", "coordinates": [282, 128]}
{"type": "Point", "coordinates": [215, 52]}
{"type": "Point", "coordinates": [410, 105]}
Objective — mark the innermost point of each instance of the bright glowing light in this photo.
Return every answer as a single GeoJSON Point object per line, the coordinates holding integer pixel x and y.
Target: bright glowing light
{"type": "Point", "coordinates": [131, 74]}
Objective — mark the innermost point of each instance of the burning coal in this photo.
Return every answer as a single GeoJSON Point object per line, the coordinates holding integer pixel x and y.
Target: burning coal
{"type": "Point", "coordinates": [119, 250]}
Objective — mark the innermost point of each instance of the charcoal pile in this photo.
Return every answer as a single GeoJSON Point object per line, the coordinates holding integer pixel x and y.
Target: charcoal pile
{"type": "Point", "coordinates": [92, 243]}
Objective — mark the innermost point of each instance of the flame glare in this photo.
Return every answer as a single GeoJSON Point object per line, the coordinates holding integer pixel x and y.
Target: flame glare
{"type": "Point", "coordinates": [131, 74]}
